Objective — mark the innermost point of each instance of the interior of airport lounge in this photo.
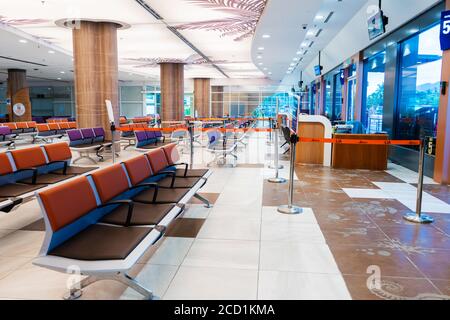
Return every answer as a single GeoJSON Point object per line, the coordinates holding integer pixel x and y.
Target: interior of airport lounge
{"type": "Point", "coordinates": [222, 150]}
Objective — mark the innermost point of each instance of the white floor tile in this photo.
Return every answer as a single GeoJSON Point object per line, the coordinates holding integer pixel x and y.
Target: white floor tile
{"type": "Point", "coordinates": [271, 214]}
{"type": "Point", "coordinates": [230, 229]}
{"type": "Point", "coordinates": [21, 244]}
{"type": "Point", "coordinates": [235, 212]}
{"type": "Point", "coordinates": [276, 285]}
{"type": "Point", "coordinates": [172, 251]}
{"type": "Point", "coordinates": [291, 232]}
{"type": "Point", "coordinates": [194, 283]}
{"type": "Point", "coordinates": [367, 193]}
{"type": "Point", "coordinates": [223, 254]}
{"type": "Point", "coordinates": [296, 257]}
{"type": "Point", "coordinates": [196, 211]}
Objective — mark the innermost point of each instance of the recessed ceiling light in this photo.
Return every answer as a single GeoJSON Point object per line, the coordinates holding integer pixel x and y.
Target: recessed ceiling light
{"type": "Point", "coordinates": [264, 68]}
{"type": "Point", "coordinates": [310, 33]}
{"type": "Point", "coordinates": [58, 78]}
{"type": "Point", "coordinates": [23, 41]}
{"type": "Point", "coordinates": [266, 36]}
{"type": "Point", "coordinates": [292, 64]}
{"type": "Point", "coordinates": [259, 57]}
{"type": "Point", "coordinates": [319, 17]}
{"type": "Point", "coordinates": [260, 63]}
{"type": "Point", "coordinates": [51, 51]}
{"type": "Point", "coordinates": [269, 72]}
{"type": "Point", "coordinates": [288, 72]}
{"type": "Point", "coordinates": [62, 72]}
{"type": "Point", "coordinates": [295, 59]}
{"type": "Point", "coordinates": [260, 48]}
{"type": "Point", "coordinates": [299, 52]}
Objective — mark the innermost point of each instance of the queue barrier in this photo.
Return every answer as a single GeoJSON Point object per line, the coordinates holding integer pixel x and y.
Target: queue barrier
{"type": "Point", "coordinates": [416, 217]}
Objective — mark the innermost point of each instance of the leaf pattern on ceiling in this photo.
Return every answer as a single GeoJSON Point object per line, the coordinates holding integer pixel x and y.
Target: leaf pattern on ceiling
{"type": "Point", "coordinates": [241, 26]}
{"type": "Point", "coordinates": [153, 62]}
{"type": "Point", "coordinates": [22, 22]}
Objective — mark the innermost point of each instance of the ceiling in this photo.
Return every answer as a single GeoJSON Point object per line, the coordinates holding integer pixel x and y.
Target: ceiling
{"type": "Point", "coordinates": [213, 37]}
{"type": "Point", "coordinates": [292, 26]}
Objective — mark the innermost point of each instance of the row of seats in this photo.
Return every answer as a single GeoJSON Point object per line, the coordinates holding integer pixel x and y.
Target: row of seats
{"type": "Point", "coordinates": [104, 222]}
{"type": "Point", "coordinates": [20, 127]}
{"type": "Point", "coordinates": [25, 170]}
{"type": "Point", "coordinates": [88, 141]}
{"type": "Point", "coordinates": [149, 139]}
{"type": "Point", "coordinates": [55, 128]}
{"type": "Point", "coordinates": [57, 120]}
{"type": "Point", "coordinates": [146, 120]}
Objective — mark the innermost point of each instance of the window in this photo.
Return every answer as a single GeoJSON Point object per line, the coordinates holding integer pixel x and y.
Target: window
{"type": "Point", "coordinates": [337, 99]}
{"type": "Point", "coordinates": [419, 85]}
{"type": "Point", "coordinates": [372, 111]}
{"type": "Point", "coordinates": [312, 107]}
{"type": "Point", "coordinates": [328, 96]}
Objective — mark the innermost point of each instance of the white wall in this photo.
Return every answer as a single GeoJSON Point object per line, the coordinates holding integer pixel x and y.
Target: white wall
{"type": "Point", "coordinates": [354, 36]}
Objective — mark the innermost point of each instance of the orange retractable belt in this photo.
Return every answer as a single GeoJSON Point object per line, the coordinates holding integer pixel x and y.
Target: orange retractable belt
{"type": "Point", "coordinates": [362, 141]}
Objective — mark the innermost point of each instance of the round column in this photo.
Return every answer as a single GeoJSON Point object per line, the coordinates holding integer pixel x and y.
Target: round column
{"type": "Point", "coordinates": [19, 93]}
{"type": "Point", "coordinates": [172, 91]}
{"type": "Point", "coordinates": [202, 97]}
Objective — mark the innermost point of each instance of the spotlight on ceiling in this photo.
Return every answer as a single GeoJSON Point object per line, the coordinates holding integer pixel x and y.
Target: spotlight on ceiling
{"type": "Point", "coordinates": [266, 36]}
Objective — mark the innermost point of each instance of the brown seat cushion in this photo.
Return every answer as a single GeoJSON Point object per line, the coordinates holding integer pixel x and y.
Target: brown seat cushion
{"type": "Point", "coordinates": [100, 242]}
{"type": "Point", "coordinates": [49, 178]}
{"type": "Point", "coordinates": [180, 182]}
{"type": "Point", "coordinates": [143, 214]}
{"type": "Point", "coordinates": [164, 195]}
{"type": "Point", "coordinates": [192, 172]}
{"type": "Point", "coordinates": [16, 189]}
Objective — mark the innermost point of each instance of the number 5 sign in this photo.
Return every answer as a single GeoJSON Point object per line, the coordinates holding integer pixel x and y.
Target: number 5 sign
{"type": "Point", "coordinates": [445, 30]}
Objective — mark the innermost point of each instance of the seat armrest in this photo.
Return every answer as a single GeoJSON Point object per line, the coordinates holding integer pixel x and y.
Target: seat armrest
{"type": "Point", "coordinates": [148, 185]}
{"type": "Point", "coordinates": [170, 173]}
{"type": "Point", "coordinates": [35, 173]}
{"type": "Point", "coordinates": [60, 161]}
{"type": "Point", "coordinates": [186, 166]}
{"type": "Point", "coordinates": [130, 205]}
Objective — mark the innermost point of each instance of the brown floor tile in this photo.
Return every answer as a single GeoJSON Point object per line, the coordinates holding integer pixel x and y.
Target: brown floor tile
{"type": "Point", "coordinates": [442, 222]}
{"type": "Point", "coordinates": [341, 217]}
{"type": "Point", "coordinates": [38, 225]}
{"type": "Point", "coordinates": [435, 265]}
{"type": "Point", "coordinates": [380, 176]}
{"type": "Point", "coordinates": [185, 228]}
{"type": "Point", "coordinates": [441, 192]}
{"type": "Point", "coordinates": [212, 197]}
{"type": "Point", "coordinates": [352, 234]}
{"type": "Point", "coordinates": [418, 236]}
{"type": "Point", "coordinates": [443, 286]}
{"type": "Point", "coordinates": [355, 260]}
{"type": "Point", "coordinates": [357, 183]}
{"type": "Point", "coordinates": [391, 289]}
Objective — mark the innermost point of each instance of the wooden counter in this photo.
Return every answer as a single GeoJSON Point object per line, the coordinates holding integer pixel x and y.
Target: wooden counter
{"type": "Point", "coordinates": [359, 156]}
{"type": "Point", "coordinates": [313, 153]}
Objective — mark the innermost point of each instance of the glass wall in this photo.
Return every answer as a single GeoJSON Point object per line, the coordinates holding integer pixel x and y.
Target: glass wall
{"type": "Point", "coordinates": [52, 101]}
{"type": "Point", "coordinates": [3, 106]}
{"type": "Point", "coordinates": [372, 108]}
{"type": "Point", "coordinates": [328, 96]}
{"type": "Point", "coordinates": [419, 85]}
{"type": "Point", "coordinates": [337, 97]}
{"type": "Point", "coordinates": [312, 100]}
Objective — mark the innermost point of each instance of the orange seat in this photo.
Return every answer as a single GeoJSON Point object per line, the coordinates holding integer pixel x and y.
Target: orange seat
{"type": "Point", "coordinates": [68, 202]}
{"type": "Point", "coordinates": [22, 125]}
{"type": "Point", "coordinates": [157, 159]}
{"type": "Point", "coordinates": [110, 182]}
{"type": "Point", "coordinates": [28, 158]}
{"type": "Point", "coordinates": [42, 127]}
{"type": "Point", "coordinates": [171, 153]}
{"type": "Point", "coordinates": [31, 124]}
{"type": "Point", "coordinates": [53, 126]}
{"type": "Point", "coordinates": [5, 164]}
{"type": "Point", "coordinates": [58, 152]}
{"type": "Point", "coordinates": [72, 125]}
{"type": "Point", "coordinates": [64, 125]}
{"type": "Point", "coordinates": [11, 125]}
{"type": "Point", "coordinates": [138, 169]}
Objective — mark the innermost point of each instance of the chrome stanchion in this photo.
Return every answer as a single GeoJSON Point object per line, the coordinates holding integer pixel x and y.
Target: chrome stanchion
{"type": "Point", "coordinates": [191, 138]}
{"type": "Point", "coordinates": [290, 208]}
{"type": "Point", "coordinates": [276, 146]}
{"type": "Point", "coordinates": [113, 140]}
{"type": "Point", "coordinates": [418, 217]}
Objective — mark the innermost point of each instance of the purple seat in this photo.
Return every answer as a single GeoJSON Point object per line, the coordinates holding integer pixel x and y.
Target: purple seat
{"type": "Point", "coordinates": [4, 131]}
{"type": "Point", "coordinates": [99, 132]}
{"type": "Point", "coordinates": [140, 136]}
{"type": "Point", "coordinates": [150, 135]}
{"type": "Point", "coordinates": [158, 134]}
{"type": "Point", "coordinates": [88, 133]}
{"type": "Point", "coordinates": [74, 135]}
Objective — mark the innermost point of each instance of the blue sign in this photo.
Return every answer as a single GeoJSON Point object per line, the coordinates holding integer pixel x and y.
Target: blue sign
{"type": "Point", "coordinates": [294, 112]}
{"type": "Point", "coordinates": [342, 76]}
{"type": "Point", "coordinates": [445, 30]}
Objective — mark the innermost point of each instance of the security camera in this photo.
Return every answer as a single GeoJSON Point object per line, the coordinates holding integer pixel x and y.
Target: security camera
{"type": "Point", "coordinates": [305, 26]}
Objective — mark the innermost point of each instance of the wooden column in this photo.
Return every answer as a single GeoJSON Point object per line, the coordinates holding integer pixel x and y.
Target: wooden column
{"type": "Point", "coordinates": [217, 101]}
{"type": "Point", "coordinates": [202, 97]}
{"type": "Point", "coordinates": [96, 73]}
{"type": "Point", "coordinates": [19, 92]}
{"type": "Point", "coordinates": [172, 91]}
{"type": "Point", "coordinates": [359, 60]}
{"type": "Point", "coordinates": [442, 162]}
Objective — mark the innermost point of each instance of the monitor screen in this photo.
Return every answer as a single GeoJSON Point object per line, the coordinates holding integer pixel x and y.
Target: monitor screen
{"type": "Point", "coordinates": [317, 70]}
{"type": "Point", "coordinates": [376, 25]}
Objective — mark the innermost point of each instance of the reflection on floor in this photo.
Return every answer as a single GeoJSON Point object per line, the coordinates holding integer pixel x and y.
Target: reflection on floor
{"type": "Point", "coordinates": [350, 233]}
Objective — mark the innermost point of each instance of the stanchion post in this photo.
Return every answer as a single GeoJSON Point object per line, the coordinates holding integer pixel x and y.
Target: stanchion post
{"type": "Point", "coordinates": [191, 138]}
{"type": "Point", "coordinates": [290, 208]}
{"type": "Point", "coordinates": [113, 140]}
{"type": "Point", "coordinates": [418, 217]}
{"type": "Point", "coordinates": [276, 165]}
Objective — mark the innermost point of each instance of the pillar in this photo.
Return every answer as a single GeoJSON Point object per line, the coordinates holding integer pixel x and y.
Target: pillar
{"type": "Point", "coordinates": [172, 91]}
{"type": "Point", "coordinates": [202, 97]}
{"type": "Point", "coordinates": [442, 161]}
{"type": "Point", "coordinates": [18, 92]}
{"type": "Point", "coordinates": [96, 73]}
{"type": "Point", "coordinates": [217, 101]}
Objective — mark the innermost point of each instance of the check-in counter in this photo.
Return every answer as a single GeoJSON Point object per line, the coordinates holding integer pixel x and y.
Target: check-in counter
{"type": "Point", "coordinates": [360, 156]}
{"type": "Point", "coordinates": [314, 153]}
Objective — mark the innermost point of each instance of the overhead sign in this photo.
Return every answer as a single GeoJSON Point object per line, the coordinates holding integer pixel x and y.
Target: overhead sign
{"type": "Point", "coordinates": [445, 30]}
{"type": "Point", "coordinates": [19, 109]}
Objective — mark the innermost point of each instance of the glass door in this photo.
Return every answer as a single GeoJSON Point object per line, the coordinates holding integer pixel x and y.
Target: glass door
{"type": "Point", "coordinates": [351, 94]}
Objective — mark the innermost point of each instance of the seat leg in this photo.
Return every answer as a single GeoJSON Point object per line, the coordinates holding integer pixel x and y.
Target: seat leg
{"type": "Point", "coordinates": [204, 200]}
{"type": "Point", "coordinates": [76, 290]}
{"type": "Point", "coordinates": [133, 284]}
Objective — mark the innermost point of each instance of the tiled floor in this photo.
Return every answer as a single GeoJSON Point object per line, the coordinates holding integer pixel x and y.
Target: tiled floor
{"type": "Point", "coordinates": [350, 236]}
